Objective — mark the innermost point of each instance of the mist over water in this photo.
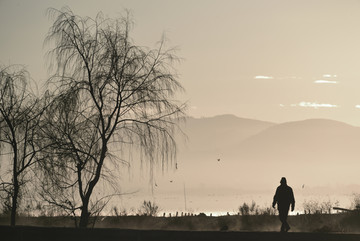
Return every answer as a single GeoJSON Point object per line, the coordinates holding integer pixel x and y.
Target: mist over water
{"type": "Point", "coordinates": [228, 160]}
{"type": "Point", "coordinates": [219, 204]}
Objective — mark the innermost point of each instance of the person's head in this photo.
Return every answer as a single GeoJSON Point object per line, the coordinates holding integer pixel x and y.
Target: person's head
{"type": "Point", "coordinates": [283, 181]}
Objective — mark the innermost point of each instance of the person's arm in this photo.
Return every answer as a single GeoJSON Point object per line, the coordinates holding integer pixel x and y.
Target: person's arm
{"type": "Point", "coordinates": [292, 200]}
{"type": "Point", "coordinates": [275, 198]}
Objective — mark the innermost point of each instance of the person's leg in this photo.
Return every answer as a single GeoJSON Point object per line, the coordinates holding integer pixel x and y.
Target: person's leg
{"type": "Point", "coordinates": [283, 213]}
{"type": "Point", "coordinates": [282, 229]}
{"type": "Point", "coordinates": [281, 217]}
{"type": "Point", "coordinates": [287, 227]}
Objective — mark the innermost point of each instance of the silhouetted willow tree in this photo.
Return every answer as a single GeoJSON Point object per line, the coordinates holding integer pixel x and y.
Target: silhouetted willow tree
{"type": "Point", "coordinates": [109, 93]}
{"type": "Point", "coordinates": [20, 113]}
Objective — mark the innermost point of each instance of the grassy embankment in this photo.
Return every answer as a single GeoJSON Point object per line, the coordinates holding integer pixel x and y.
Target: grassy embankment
{"type": "Point", "coordinates": [343, 222]}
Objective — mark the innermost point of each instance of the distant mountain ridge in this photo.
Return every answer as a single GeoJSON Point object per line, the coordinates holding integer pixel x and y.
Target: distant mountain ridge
{"type": "Point", "coordinates": [313, 149]}
{"type": "Point", "coordinates": [216, 133]}
{"type": "Point", "coordinates": [319, 139]}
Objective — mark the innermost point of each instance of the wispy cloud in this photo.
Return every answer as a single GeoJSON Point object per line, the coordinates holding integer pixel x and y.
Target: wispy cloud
{"type": "Point", "coordinates": [321, 81]}
{"type": "Point", "coordinates": [314, 105]}
{"type": "Point", "coordinates": [263, 77]}
{"type": "Point", "coordinates": [329, 76]}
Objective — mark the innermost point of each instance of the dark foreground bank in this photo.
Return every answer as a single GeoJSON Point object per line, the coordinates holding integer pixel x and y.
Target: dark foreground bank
{"type": "Point", "coordinates": [323, 223]}
{"type": "Point", "coordinates": [25, 233]}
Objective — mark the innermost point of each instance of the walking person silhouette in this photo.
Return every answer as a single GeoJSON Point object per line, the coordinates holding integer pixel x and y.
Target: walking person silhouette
{"type": "Point", "coordinates": [284, 197]}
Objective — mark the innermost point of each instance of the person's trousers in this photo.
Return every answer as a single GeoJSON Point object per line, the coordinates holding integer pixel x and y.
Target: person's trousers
{"type": "Point", "coordinates": [283, 214]}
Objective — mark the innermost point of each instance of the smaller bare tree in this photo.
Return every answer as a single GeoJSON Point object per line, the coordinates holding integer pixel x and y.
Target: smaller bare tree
{"type": "Point", "coordinates": [19, 117]}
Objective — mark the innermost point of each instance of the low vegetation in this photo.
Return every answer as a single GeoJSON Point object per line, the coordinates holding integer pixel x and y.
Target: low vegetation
{"type": "Point", "coordinates": [254, 209]}
{"type": "Point", "coordinates": [251, 217]}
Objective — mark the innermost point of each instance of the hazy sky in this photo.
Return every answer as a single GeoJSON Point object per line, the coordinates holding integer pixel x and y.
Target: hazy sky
{"type": "Point", "coordinates": [276, 60]}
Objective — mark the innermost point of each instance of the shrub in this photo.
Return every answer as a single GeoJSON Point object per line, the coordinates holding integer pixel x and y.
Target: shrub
{"type": "Point", "coordinates": [116, 212]}
{"type": "Point", "coordinates": [148, 208]}
{"type": "Point", "coordinates": [356, 202]}
{"type": "Point", "coordinates": [317, 207]}
{"type": "Point", "coordinates": [252, 209]}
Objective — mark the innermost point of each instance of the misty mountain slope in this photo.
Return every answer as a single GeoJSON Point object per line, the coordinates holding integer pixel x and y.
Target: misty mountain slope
{"type": "Point", "coordinates": [206, 136]}
{"type": "Point", "coordinates": [314, 140]}
{"type": "Point", "coordinates": [315, 151]}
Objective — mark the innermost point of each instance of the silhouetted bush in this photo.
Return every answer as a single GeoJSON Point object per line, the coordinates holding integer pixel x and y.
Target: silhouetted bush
{"type": "Point", "coordinates": [254, 209]}
{"type": "Point", "coordinates": [355, 204]}
{"type": "Point", "coordinates": [148, 208]}
{"type": "Point", "coordinates": [116, 212]}
{"type": "Point", "coordinates": [202, 215]}
{"type": "Point", "coordinates": [317, 207]}
{"type": "Point", "coordinates": [246, 209]}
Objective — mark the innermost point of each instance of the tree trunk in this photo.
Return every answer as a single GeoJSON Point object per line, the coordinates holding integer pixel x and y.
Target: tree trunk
{"type": "Point", "coordinates": [85, 215]}
{"type": "Point", "coordinates": [15, 182]}
{"type": "Point", "coordinates": [84, 218]}
{"type": "Point", "coordinates": [14, 202]}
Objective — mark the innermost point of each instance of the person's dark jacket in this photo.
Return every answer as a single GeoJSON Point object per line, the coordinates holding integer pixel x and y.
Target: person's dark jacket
{"type": "Point", "coordinates": [284, 197]}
